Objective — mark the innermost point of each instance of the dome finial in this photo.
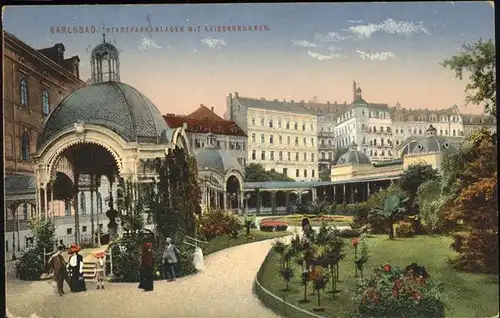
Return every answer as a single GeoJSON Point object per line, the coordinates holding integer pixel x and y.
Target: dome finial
{"type": "Point", "coordinates": [104, 37]}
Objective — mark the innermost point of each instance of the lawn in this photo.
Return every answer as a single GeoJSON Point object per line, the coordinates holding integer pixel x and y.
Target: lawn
{"type": "Point", "coordinates": [314, 220]}
{"type": "Point", "coordinates": [467, 294]}
{"type": "Point", "coordinates": [222, 242]}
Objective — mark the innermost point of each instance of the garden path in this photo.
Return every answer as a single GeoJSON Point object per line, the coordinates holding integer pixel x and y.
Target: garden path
{"type": "Point", "coordinates": [223, 289]}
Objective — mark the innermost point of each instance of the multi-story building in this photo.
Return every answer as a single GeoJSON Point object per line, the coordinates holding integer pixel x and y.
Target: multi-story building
{"type": "Point", "coordinates": [203, 123]}
{"type": "Point", "coordinates": [34, 83]}
{"type": "Point", "coordinates": [327, 148]}
{"type": "Point", "coordinates": [282, 136]}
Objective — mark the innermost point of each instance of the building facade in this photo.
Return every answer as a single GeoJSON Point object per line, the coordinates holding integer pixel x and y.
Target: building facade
{"type": "Point", "coordinates": [35, 81]}
{"type": "Point", "coordinates": [203, 123]}
{"type": "Point", "coordinates": [282, 136]}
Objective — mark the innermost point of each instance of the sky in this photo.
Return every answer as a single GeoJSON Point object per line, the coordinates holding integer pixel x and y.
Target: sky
{"type": "Point", "coordinates": [298, 52]}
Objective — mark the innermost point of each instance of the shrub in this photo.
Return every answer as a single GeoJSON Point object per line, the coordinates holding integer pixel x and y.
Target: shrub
{"type": "Point", "coordinates": [219, 222]}
{"type": "Point", "coordinates": [271, 226]}
{"type": "Point", "coordinates": [349, 233]}
{"type": "Point", "coordinates": [405, 229]}
{"type": "Point", "coordinates": [392, 292]}
{"type": "Point", "coordinates": [29, 266]}
{"type": "Point", "coordinates": [126, 262]}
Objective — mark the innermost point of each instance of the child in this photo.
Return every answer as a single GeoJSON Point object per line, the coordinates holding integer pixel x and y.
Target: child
{"type": "Point", "coordinates": [100, 265]}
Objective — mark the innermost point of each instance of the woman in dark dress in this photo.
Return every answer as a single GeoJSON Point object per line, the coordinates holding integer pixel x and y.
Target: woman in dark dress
{"type": "Point", "coordinates": [147, 267]}
{"type": "Point", "coordinates": [75, 267]}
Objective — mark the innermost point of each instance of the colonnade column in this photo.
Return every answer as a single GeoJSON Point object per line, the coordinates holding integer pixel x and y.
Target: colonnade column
{"type": "Point", "coordinates": [92, 189]}
{"type": "Point", "coordinates": [52, 200]}
{"type": "Point", "coordinates": [45, 201]}
{"type": "Point", "coordinates": [287, 201]}
{"type": "Point", "coordinates": [314, 194]}
{"type": "Point", "coordinates": [224, 201]}
{"type": "Point", "coordinates": [334, 194]}
{"type": "Point", "coordinates": [300, 197]}
{"type": "Point", "coordinates": [273, 201]}
{"type": "Point", "coordinates": [353, 188]}
{"type": "Point", "coordinates": [343, 193]}
{"type": "Point", "coordinates": [259, 201]}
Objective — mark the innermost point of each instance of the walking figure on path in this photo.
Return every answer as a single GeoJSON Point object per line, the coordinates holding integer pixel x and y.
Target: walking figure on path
{"type": "Point", "coordinates": [58, 266]}
{"type": "Point", "coordinates": [170, 260]}
{"type": "Point", "coordinates": [75, 267]}
{"type": "Point", "coordinates": [100, 266]}
{"type": "Point", "coordinates": [147, 268]}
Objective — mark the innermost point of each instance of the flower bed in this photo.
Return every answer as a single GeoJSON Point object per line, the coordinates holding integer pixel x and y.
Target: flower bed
{"type": "Point", "coordinates": [271, 225]}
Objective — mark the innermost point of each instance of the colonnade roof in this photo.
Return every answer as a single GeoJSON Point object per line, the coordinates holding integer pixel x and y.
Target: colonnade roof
{"type": "Point", "coordinates": [291, 185]}
{"type": "Point", "coordinates": [19, 184]}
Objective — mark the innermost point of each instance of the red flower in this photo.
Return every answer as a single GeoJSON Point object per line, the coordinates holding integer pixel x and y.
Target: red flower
{"type": "Point", "coordinates": [355, 241]}
{"type": "Point", "coordinates": [387, 268]}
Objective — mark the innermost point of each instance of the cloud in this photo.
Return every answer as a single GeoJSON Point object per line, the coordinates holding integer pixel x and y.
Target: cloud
{"type": "Point", "coordinates": [322, 57]}
{"type": "Point", "coordinates": [214, 43]}
{"type": "Point", "coordinates": [195, 50]}
{"type": "Point", "coordinates": [380, 56]}
{"type": "Point", "coordinates": [303, 43]}
{"type": "Point", "coordinates": [355, 21]}
{"type": "Point", "coordinates": [147, 44]}
{"type": "Point", "coordinates": [331, 37]}
{"type": "Point", "coordinates": [333, 48]}
{"type": "Point", "coordinates": [390, 26]}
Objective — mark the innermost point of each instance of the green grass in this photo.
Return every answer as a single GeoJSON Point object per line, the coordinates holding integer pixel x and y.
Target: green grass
{"type": "Point", "coordinates": [297, 221]}
{"type": "Point", "coordinates": [467, 294]}
{"type": "Point", "coordinates": [222, 242]}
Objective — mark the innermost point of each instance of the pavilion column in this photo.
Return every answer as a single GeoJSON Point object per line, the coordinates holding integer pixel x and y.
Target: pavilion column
{"type": "Point", "coordinates": [314, 194]}
{"type": "Point", "coordinates": [38, 200]}
{"type": "Point", "coordinates": [77, 218]}
{"type": "Point", "coordinates": [52, 206]}
{"type": "Point", "coordinates": [225, 204]}
{"type": "Point", "coordinates": [287, 201]}
{"type": "Point", "coordinates": [273, 201]}
{"type": "Point", "coordinates": [343, 193]}
{"type": "Point", "coordinates": [259, 201]}
{"type": "Point", "coordinates": [92, 228]}
{"type": "Point", "coordinates": [368, 189]}
{"type": "Point", "coordinates": [353, 188]}
{"type": "Point", "coordinates": [300, 196]}
{"type": "Point", "coordinates": [334, 194]}
{"type": "Point", "coordinates": [45, 201]}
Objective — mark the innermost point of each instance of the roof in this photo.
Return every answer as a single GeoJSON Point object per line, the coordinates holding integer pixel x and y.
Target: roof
{"type": "Point", "coordinates": [307, 185]}
{"type": "Point", "coordinates": [114, 105]}
{"type": "Point", "coordinates": [353, 156]}
{"type": "Point", "coordinates": [17, 184]}
{"type": "Point", "coordinates": [431, 143]}
{"type": "Point", "coordinates": [280, 106]}
{"type": "Point", "coordinates": [220, 127]}
{"type": "Point", "coordinates": [216, 159]}
{"type": "Point", "coordinates": [203, 112]}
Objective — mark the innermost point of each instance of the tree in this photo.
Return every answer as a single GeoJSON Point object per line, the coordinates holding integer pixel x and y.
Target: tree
{"type": "Point", "coordinates": [392, 211]}
{"type": "Point", "coordinates": [414, 176]}
{"type": "Point", "coordinates": [429, 201]}
{"type": "Point", "coordinates": [256, 173]}
{"type": "Point", "coordinates": [324, 174]}
{"type": "Point", "coordinates": [479, 60]}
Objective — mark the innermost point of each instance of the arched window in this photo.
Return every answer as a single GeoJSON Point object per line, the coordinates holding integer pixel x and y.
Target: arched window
{"type": "Point", "coordinates": [45, 102]}
{"type": "Point", "coordinates": [83, 204]}
{"type": "Point", "coordinates": [25, 146]}
{"type": "Point", "coordinates": [23, 92]}
{"type": "Point", "coordinates": [67, 208]}
{"type": "Point", "coordinates": [99, 203]}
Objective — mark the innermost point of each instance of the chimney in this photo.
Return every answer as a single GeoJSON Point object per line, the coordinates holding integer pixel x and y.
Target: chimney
{"type": "Point", "coordinates": [284, 100]}
{"type": "Point", "coordinates": [335, 102]}
{"type": "Point", "coordinates": [275, 100]}
{"type": "Point", "coordinates": [292, 101]}
{"type": "Point", "coordinates": [212, 109]}
{"type": "Point", "coordinates": [302, 101]}
{"type": "Point", "coordinates": [345, 103]}
{"type": "Point", "coordinates": [235, 94]}
{"type": "Point", "coordinates": [262, 98]}
{"type": "Point", "coordinates": [328, 102]}
{"type": "Point", "coordinates": [230, 96]}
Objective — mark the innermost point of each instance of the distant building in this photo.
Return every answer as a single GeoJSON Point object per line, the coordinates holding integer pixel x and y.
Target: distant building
{"type": "Point", "coordinates": [282, 135]}
{"type": "Point", "coordinates": [204, 123]}
{"type": "Point", "coordinates": [35, 81]}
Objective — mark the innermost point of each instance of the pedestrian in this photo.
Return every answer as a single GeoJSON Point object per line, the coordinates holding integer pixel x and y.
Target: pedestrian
{"type": "Point", "coordinates": [170, 259]}
{"type": "Point", "coordinates": [147, 267]}
{"type": "Point", "coordinates": [58, 266]}
{"type": "Point", "coordinates": [75, 267]}
{"type": "Point", "coordinates": [99, 269]}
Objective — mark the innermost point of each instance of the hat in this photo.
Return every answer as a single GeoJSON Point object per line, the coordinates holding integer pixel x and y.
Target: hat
{"type": "Point", "coordinates": [99, 254]}
{"type": "Point", "coordinates": [168, 240]}
{"type": "Point", "coordinates": [148, 244]}
{"type": "Point", "coordinates": [74, 249]}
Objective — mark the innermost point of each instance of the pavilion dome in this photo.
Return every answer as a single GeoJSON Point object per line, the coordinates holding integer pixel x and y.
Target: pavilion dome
{"type": "Point", "coordinates": [354, 156]}
{"type": "Point", "coordinates": [113, 105]}
{"type": "Point", "coordinates": [430, 143]}
{"type": "Point", "coordinates": [216, 159]}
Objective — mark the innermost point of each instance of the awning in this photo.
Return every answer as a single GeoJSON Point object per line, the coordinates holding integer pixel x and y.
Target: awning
{"type": "Point", "coordinates": [19, 185]}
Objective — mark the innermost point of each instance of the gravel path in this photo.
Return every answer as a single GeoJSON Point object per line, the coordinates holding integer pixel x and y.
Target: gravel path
{"type": "Point", "coordinates": [223, 289]}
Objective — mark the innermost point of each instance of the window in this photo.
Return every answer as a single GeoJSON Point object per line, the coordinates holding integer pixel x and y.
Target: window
{"type": "Point", "coordinates": [45, 102]}
{"type": "Point", "coordinates": [312, 127]}
{"type": "Point", "coordinates": [381, 129]}
{"type": "Point", "coordinates": [279, 123]}
{"type": "Point", "coordinates": [23, 91]}
{"type": "Point", "coordinates": [303, 127]}
{"type": "Point", "coordinates": [313, 173]}
{"type": "Point", "coordinates": [296, 156]}
{"type": "Point", "coordinates": [83, 204]}
{"type": "Point", "coordinates": [254, 154]}
{"type": "Point", "coordinates": [441, 132]}
{"type": "Point", "coordinates": [295, 126]}
{"type": "Point", "coordinates": [253, 121]}
{"type": "Point", "coordinates": [297, 173]}
{"type": "Point", "coordinates": [272, 155]}
{"type": "Point", "coordinates": [262, 122]}
{"type": "Point", "coordinates": [25, 211]}
{"type": "Point", "coordinates": [322, 156]}
{"type": "Point", "coordinates": [270, 123]}
{"type": "Point", "coordinates": [67, 208]}
{"type": "Point", "coordinates": [329, 156]}
{"type": "Point", "coordinates": [312, 142]}
{"type": "Point", "coordinates": [288, 156]}
{"type": "Point", "coordinates": [253, 137]}
{"type": "Point", "coordinates": [280, 139]}
{"type": "Point", "coordinates": [296, 141]}
{"type": "Point", "coordinates": [305, 173]}
{"type": "Point", "coordinates": [262, 138]}
{"type": "Point", "coordinates": [288, 139]}
{"type": "Point", "coordinates": [99, 203]}
{"type": "Point", "coordinates": [271, 139]}
{"type": "Point", "coordinates": [285, 171]}
{"type": "Point", "coordinates": [280, 154]}
{"type": "Point", "coordinates": [287, 125]}
{"type": "Point", "coordinates": [312, 157]}
{"type": "Point", "coordinates": [263, 155]}
{"type": "Point", "coordinates": [420, 131]}
{"type": "Point", "coordinates": [25, 146]}
{"type": "Point", "coordinates": [304, 140]}
{"type": "Point", "coordinates": [69, 231]}
{"type": "Point", "coordinates": [305, 156]}
{"type": "Point", "coordinates": [446, 132]}
{"type": "Point", "coordinates": [454, 132]}
{"type": "Point", "coordinates": [84, 229]}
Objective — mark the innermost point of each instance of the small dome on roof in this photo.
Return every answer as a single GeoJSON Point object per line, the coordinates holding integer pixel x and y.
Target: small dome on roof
{"type": "Point", "coordinates": [354, 156]}
{"type": "Point", "coordinates": [431, 143]}
{"type": "Point", "coordinates": [216, 159]}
